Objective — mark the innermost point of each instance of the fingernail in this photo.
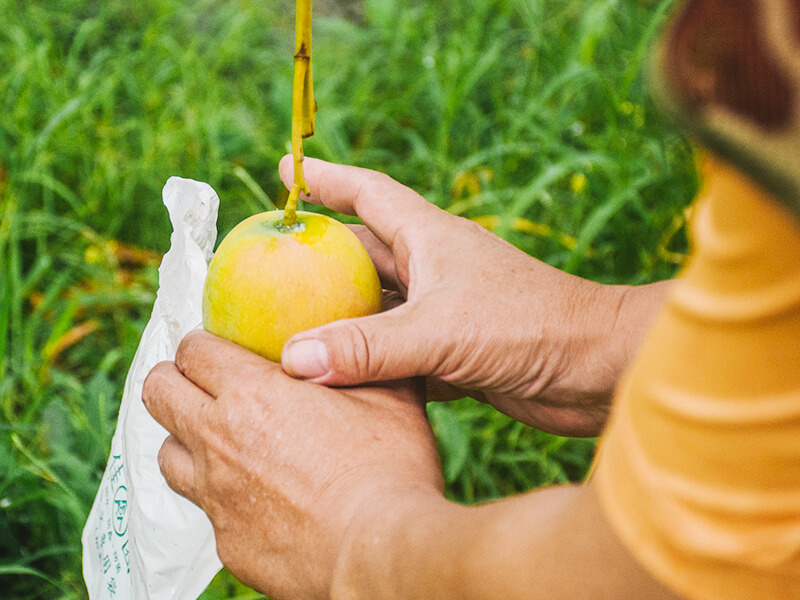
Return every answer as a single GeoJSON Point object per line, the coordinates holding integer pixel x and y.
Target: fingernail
{"type": "Point", "coordinates": [306, 359]}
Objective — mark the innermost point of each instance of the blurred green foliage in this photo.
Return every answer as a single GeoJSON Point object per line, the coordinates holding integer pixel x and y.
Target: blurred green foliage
{"type": "Point", "coordinates": [528, 115]}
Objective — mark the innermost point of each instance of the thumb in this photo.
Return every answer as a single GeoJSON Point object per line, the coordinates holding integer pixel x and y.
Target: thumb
{"type": "Point", "coordinates": [395, 344]}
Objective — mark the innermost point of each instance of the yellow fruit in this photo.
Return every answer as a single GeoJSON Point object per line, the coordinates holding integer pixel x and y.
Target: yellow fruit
{"type": "Point", "coordinates": [267, 282]}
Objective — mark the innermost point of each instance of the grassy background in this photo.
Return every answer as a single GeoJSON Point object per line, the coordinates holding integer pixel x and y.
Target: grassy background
{"type": "Point", "coordinates": [528, 115]}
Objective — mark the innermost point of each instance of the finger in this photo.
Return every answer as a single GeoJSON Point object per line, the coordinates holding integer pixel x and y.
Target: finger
{"type": "Point", "coordinates": [384, 205]}
{"type": "Point", "coordinates": [215, 364]}
{"type": "Point", "coordinates": [177, 467]}
{"type": "Point", "coordinates": [382, 257]}
{"type": "Point", "coordinates": [391, 345]}
{"type": "Point", "coordinates": [174, 401]}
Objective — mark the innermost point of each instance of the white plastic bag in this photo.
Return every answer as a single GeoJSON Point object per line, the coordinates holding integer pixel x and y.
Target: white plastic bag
{"type": "Point", "coordinates": [143, 541]}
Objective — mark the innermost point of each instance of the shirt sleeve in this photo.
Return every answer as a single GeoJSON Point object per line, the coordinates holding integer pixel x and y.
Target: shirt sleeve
{"type": "Point", "coordinates": [699, 469]}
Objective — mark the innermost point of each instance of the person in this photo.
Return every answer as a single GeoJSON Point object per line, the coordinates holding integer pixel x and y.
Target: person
{"type": "Point", "coordinates": [325, 472]}
{"type": "Point", "coordinates": [321, 475]}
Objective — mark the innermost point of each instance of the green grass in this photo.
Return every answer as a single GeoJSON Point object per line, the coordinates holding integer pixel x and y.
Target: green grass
{"type": "Point", "coordinates": [530, 114]}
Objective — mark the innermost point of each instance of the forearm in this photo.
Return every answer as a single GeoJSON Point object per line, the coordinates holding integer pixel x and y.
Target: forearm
{"type": "Point", "coordinates": [403, 550]}
{"type": "Point", "coordinates": [552, 543]}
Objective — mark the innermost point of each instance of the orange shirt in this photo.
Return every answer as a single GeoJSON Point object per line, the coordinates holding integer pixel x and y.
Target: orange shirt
{"type": "Point", "coordinates": [699, 469]}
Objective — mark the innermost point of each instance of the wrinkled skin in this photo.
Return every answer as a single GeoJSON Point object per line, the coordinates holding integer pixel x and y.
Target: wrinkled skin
{"type": "Point", "coordinates": [281, 466]}
{"type": "Point", "coordinates": [476, 315]}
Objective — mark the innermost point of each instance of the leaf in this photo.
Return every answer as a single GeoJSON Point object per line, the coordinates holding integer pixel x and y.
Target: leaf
{"type": "Point", "coordinates": [454, 441]}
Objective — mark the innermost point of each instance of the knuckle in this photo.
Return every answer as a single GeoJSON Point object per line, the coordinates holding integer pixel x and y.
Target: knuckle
{"type": "Point", "coordinates": [226, 550]}
{"type": "Point", "coordinates": [471, 226]}
{"type": "Point", "coordinates": [156, 380]}
{"type": "Point", "coordinates": [371, 179]}
{"type": "Point", "coordinates": [372, 184]}
{"type": "Point", "coordinates": [164, 459]}
{"type": "Point", "coordinates": [351, 354]}
{"type": "Point", "coordinates": [169, 468]}
{"type": "Point", "coordinates": [190, 347]}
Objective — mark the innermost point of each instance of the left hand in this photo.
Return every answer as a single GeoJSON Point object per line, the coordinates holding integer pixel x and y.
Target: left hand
{"type": "Point", "coordinates": [282, 467]}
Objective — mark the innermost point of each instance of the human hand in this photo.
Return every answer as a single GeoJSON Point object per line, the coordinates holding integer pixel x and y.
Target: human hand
{"type": "Point", "coordinates": [479, 315]}
{"type": "Point", "coordinates": [281, 466]}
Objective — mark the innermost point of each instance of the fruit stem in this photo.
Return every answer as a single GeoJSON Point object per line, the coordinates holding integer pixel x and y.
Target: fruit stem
{"type": "Point", "coordinates": [303, 106]}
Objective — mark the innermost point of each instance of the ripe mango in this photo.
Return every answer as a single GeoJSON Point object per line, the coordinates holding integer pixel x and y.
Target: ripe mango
{"type": "Point", "coordinates": [268, 281]}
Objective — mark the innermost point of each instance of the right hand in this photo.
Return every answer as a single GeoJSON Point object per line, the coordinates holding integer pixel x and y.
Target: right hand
{"type": "Point", "coordinates": [480, 317]}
